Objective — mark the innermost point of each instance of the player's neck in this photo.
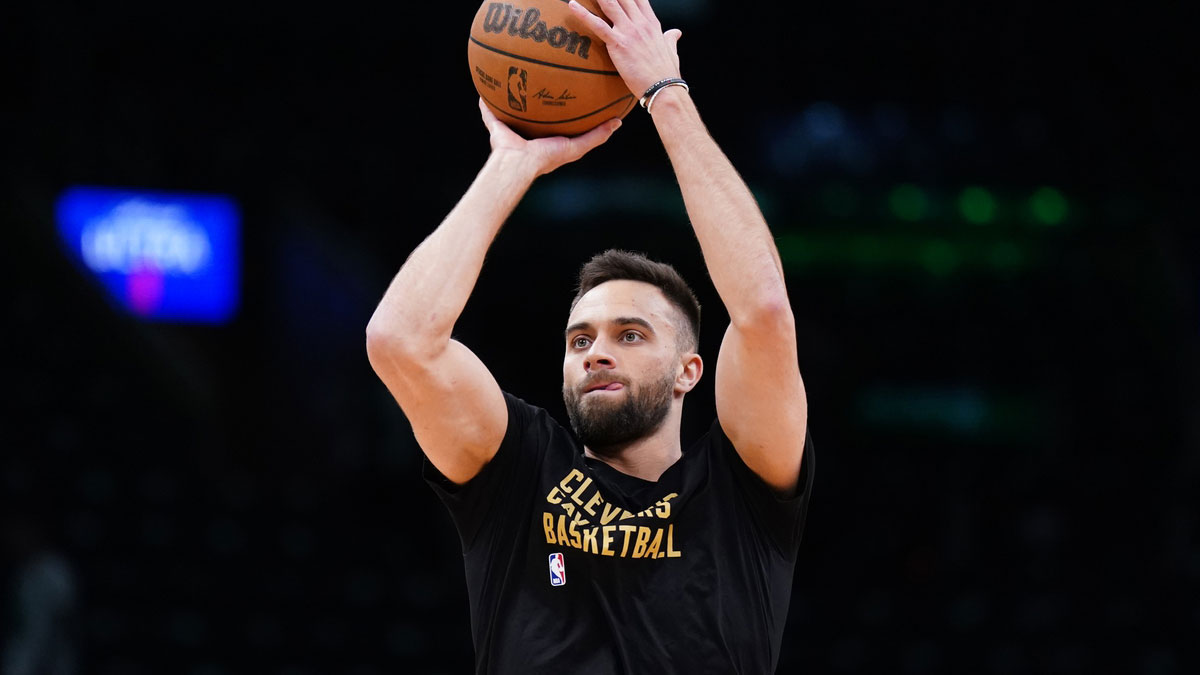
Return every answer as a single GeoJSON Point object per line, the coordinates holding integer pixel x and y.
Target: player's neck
{"type": "Point", "coordinates": [649, 456]}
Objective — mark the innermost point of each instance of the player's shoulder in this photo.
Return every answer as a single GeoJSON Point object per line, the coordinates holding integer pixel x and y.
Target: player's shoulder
{"type": "Point", "coordinates": [521, 409]}
{"type": "Point", "coordinates": [529, 419]}
{"type": "Point", "coordinates": [720, 448]}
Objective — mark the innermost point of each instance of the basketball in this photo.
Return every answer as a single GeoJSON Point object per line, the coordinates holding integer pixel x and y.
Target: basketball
{"type": "Point", "coordinates": [541, 71]}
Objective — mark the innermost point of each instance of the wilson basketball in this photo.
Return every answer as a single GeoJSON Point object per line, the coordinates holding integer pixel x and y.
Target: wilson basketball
{"type": "Point", "coordinates": [541, 71]}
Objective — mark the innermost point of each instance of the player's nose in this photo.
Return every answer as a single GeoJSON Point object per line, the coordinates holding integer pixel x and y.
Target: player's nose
{"type": "Point", "coordinates": [598, 357]}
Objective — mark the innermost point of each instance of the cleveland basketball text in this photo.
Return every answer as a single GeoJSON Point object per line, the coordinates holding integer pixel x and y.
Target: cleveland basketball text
{"type": "Point", "coordinates": [578, 516]}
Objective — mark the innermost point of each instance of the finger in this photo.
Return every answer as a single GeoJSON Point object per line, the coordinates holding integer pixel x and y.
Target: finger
{"type": "Point", "coordinates": [644, 7]}
{"type": "Point", "coordinates": [634, 10]}
{"type": "Point", "coordinates": [594, 138]}
{"type": "Point", "coordinates": [673, 36]}
{"type": "Point", "coordinates": [594, 23]}
{"type": "Point", "coordinates": [613, 11]}
{"type": "Point", "coordinates": [489, 118]}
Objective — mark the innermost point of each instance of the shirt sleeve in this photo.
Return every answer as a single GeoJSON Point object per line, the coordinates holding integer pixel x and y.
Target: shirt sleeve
{"type": "Point", "coordinates": [780, 518]}
{"type": "Point", "coordinates": [489, 502]}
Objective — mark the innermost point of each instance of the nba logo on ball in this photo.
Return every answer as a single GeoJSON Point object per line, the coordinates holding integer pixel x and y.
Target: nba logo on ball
{"type": "Point", "coordinates": [558, 570]}
{"type": "Point", "coordinates": [517, 79]}
{"type": "Point", "coordinates": [542, 71]}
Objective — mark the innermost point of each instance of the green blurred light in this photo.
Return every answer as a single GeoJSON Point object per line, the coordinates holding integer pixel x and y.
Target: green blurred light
{"type": "Point", "coordinates": [977, 205]}
{"type": "Point", "coordinates": [1006, 255]}
{"type": "Point", "coordinates": [795, 249]}
{"type": "Point", "coordinates": [957, 410]}
{"type": "Point", "coordinates": [935, 256]}
{"type": "Point", "coordinates": [962, 411]}
{"type": "Point", "coordinates": [839, 199]}
{"type": "Point", "coordinates": [939, 257]}
{"type": "Point", "coordinates": [867, 251]}
{"type": "Point", "coordinates": [1049, 206]}
{"type": "Point", "coordinates": [908, 202]}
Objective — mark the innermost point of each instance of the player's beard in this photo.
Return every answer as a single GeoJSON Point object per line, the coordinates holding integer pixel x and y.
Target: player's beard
{"type": "Point", "coordinates": [602, 424]}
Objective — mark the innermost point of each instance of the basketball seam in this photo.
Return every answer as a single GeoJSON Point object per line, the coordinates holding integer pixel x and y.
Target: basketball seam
{"type": "Point", "coordinates": [544, 63]}
{"type": "Point", "coordinates": [573, 119]}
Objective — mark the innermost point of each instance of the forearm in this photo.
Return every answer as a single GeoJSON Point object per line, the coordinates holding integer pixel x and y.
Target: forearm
{"type": "Point", "coordinates": [737, 244]}
{"type": "Point", "coordinates": [425, 299]}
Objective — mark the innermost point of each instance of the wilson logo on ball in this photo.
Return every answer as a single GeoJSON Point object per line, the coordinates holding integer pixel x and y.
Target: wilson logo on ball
{"type": "Point", "coordinates": [527, 24]}
{"type": "Point", "coordinates": [541, 70]}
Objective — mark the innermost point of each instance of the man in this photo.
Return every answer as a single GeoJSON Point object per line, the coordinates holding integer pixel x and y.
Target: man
{"type": "Point", "coordinates": [628, 555]}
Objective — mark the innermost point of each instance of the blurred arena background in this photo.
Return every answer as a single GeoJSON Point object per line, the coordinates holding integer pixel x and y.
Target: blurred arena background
{"type": "Point", "coordinates": [987, 216]}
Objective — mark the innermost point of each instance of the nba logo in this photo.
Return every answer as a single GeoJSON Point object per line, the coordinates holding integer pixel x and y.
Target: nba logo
{"type": "Point", "coordinates": [558, 570]}
{"type": "Point", "coordinates": [517, 80]}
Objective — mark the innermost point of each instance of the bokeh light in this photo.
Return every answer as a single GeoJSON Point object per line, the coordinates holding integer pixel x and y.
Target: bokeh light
{"type": "Point", "coordinates": [908, 202]}
{"type": "Point", "coordinates": [977, 205]}
{"type": "Point", "coordinates": [1049, 206]}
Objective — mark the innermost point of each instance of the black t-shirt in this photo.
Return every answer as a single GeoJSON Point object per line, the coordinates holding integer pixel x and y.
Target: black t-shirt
{"type": "Point", "coordinates": [575, 567]}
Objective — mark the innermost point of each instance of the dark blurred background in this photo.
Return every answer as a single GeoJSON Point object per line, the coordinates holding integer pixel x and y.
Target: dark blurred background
{"type": "Point", "coordinates": [986, 212]}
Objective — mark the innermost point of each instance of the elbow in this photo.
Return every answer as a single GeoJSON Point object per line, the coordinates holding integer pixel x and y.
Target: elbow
{"type": "Point", "coordinates": [378, 333]}
{"type": "Point", "coordinates": [386, 345]}
{"type": "Point", "coordinates": [387, 355]}
{"type": "Point", "coordinates": [770, 313]}
{"type": "Point", "coordinates": [380, 345]}
{"type": "Point", "coordinates": [379, 340]}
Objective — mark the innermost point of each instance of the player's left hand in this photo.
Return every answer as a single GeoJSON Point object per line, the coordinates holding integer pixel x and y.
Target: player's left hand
{"type": "Point", "coordinates": [636, 43]}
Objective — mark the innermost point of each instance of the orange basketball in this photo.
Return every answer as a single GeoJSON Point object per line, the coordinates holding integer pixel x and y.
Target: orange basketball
{"type": "Point", "coordinates": [541, 71]}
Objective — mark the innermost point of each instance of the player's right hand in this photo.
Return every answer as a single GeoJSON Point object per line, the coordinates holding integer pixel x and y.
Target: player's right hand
{"type": "Point", "coordinates": [547, 153]}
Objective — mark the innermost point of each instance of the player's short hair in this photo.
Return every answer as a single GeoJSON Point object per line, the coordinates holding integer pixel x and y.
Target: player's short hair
{"type": "Point", "coordinates": [615, 264]}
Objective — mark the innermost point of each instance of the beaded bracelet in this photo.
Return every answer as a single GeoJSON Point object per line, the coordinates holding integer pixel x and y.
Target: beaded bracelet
{"type": "Point", "coordinates": [647, 99]}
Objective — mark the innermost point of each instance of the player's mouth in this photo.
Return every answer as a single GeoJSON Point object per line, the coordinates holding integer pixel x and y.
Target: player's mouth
{"type": "Point", "coordinates": [603, 386]}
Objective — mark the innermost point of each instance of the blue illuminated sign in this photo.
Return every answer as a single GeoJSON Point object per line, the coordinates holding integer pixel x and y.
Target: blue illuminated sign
{"type": "Point", "coordinates": [162, 256]}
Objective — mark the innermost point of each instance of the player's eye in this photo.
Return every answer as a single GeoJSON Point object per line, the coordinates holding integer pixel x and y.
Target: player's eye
{"type": "Point", "coordinates": [580, 342]}
{"type": "Point", "coordinates": [631, 337]}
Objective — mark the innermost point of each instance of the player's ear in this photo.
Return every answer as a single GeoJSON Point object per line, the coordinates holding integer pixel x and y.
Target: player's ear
{"type": "Point", "coordinates": [691, 368]}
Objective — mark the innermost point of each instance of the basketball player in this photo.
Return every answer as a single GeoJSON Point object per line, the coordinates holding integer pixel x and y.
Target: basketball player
{"type": "Point", "coordinates": [614, 550]}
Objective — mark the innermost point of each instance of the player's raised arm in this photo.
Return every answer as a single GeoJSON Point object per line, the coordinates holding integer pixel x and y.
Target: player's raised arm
{"type": "Point", "coordinates": [454, 404]}
{"type": "Point", "coordinates": [760, 397]}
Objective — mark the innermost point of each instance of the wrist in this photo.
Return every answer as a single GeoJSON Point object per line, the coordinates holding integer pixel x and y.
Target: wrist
{"type": "Point", "coordinates": [670, 101]}
{"type": "Point", "coordinates": [647, 99]}
{"type": "Point", "coordinates": [513, 164]}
